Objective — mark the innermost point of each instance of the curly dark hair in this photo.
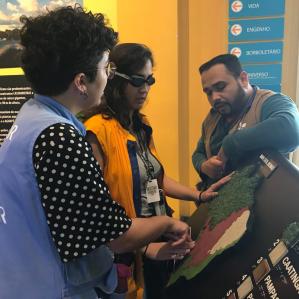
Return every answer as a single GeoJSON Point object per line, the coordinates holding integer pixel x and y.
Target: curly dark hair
{"type": "Point", "coordinates": [129, 59]}
{"type": "Point", "coordinates": [62, 43]}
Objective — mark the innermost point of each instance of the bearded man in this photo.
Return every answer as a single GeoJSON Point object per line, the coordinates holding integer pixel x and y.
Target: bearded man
{"type": "Point", "coordinates": [244, 120]}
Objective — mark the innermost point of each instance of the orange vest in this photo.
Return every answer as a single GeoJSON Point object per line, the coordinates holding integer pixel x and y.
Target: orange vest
{"type": "Point", "coordinates": [121, 168]}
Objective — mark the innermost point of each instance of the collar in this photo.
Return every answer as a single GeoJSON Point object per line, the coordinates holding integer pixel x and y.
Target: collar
{"type": "Point", "coordinates": [61, 110]}
{"type": "Point", "coordinates": [251, 98]}
{"type": "Point", "coordinates": [246, 108]}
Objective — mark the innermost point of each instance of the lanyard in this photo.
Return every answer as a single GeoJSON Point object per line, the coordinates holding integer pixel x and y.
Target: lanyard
{"type": "Point", "coordinates": [249, 102]}
{"type": "Point", "coordinates": [142, 152]}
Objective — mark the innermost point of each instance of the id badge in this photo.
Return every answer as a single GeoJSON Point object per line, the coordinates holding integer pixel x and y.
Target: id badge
{"type": "Point", "coordinates": [152, 191]}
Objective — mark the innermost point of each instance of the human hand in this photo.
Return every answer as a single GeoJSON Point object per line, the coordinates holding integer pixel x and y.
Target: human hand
{"type": "Point", "coordinates": [213, 167]}
{"type": "Point", "coordinates": [178, 231]}
{"type": "Point", "coordinates": [169, 250]}
{"type": "Point", "coordinates": [211, 192]}
{"type": "Point", "coordinates": [222, 157]}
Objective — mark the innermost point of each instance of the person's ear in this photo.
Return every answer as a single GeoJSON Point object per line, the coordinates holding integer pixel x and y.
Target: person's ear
{"type": "Point", "coordinates": [80, 83]}
{"type": "Point", "coordinates": [244, 79]}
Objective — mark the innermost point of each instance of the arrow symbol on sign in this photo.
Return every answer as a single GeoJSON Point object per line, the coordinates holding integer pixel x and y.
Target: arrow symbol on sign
{"type": "Point", "coordinates": [236, 51]}
{"type": "Point", "coordinates": [237, 6]}
{"type": "Point", "coordinates": [236, 29]}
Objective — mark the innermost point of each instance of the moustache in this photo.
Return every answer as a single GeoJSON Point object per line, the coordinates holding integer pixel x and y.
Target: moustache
{"type": "Point", "coordinates": [218, 104]}
{"type": "Point", "coordinates": [223, 107]}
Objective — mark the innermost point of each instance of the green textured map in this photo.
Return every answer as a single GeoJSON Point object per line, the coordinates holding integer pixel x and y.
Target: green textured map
{"type": "Point", "coordinates": [227, 221]}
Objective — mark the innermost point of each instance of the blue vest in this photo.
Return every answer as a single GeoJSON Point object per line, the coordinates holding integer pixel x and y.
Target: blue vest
{"type": "Point", "coordinates": [30, 266]}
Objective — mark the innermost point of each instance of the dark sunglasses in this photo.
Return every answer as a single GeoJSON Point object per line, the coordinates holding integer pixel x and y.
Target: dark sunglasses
{"type": "Point", "coordinates": [137, 81]}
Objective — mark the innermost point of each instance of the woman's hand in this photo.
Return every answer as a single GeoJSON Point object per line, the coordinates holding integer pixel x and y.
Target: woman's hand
{"type": "Point", "coordinates": [169, 250]}
{"type": "Point", "coordinates": [178, 231]}
{"type": "Point", "coordinates": [211, 192]}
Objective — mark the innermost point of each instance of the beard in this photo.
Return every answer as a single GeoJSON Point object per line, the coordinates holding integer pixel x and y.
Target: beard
{"type": "Point", "coordinates": [224, 108]}
{"type": "Point", "coordinates": [233, 106]}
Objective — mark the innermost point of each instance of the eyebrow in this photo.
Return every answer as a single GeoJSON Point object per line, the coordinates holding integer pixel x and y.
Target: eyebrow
{"type": "Point", "coordinates": [215, 84]}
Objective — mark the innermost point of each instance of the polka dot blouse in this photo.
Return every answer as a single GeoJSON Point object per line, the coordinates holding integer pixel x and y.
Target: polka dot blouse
{"type": "Point", "coordinates": [80, 212]}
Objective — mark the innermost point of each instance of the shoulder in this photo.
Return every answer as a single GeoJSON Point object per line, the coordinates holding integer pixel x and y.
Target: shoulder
{"type": "Point", "coordinates": [279, 99]}
{"type": "Point", "coordinates": [94, 120]}
{"type": "Point", "coordinates": [261, 96]}
{"type": "Point", "coordinates": [270, 95]}
{"type": "Point", "coordinates": [57, 138]}
{"type": "Point", "coordinates": [279, 103]}
{"type": "Point", "coordinates": [265, 93]}
{"type": "Point", "coordinates": [59, 130]}
{"type": "Point", "coordinates": [100, 122]}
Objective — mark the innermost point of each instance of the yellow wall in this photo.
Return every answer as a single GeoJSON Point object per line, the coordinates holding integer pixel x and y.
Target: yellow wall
{"type": "Point", "coordinates": [106, 7]}
{"type": "Point", "coordinates": [207, 38]}
{"type": "Point", "coordinates": [154, 23]}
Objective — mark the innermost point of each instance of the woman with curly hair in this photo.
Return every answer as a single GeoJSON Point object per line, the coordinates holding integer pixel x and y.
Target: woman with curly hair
{"type": "Point", "coordinates": [59, 227]}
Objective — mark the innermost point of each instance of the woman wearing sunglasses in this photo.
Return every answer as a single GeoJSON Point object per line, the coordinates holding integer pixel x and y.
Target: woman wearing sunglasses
{"type": "Point", "coordinates": [122, 141]}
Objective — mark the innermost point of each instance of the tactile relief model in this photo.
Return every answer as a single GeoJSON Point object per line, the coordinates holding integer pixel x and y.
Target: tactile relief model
{"type": "Point", "coordinates": [228, 220]}
{"type": "Point", "coordinates": [291, 234]}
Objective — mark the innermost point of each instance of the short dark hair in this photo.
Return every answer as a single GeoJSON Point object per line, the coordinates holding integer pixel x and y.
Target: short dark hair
{"type": "Point", "coordinates": [129, 59]}
{"type": "Point", "coordinates": [62, 43]}
{"type": "Point", "coordinates": [230, 61]}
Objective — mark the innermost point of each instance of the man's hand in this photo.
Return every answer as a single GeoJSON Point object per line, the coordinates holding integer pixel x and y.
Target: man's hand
{"type": "Point", "coordinates": [222, 157]}
{"type": "Point", "coordinates": [213, 167]}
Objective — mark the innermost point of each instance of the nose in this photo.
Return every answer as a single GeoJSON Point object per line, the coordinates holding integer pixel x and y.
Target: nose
{"type": "Point", "coordinates": [214, 96]}
{"type": "Point", "coordinates": [144, 88]}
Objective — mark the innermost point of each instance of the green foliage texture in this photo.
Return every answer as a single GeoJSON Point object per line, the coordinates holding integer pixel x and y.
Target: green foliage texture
{"type": "Point", "coordinates": [235, 195]}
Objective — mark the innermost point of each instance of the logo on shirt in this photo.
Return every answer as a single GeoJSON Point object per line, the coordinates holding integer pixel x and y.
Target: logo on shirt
{"type": "Point", "coordinates": [11, 132]}
{"type": "Point", "coordinates": [242, 125]}
{"type": "Point", "coordinates": [2, 216]}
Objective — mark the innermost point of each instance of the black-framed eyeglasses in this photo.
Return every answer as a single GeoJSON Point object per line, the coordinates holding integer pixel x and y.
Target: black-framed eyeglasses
{"type": "Point", "coordinates": [110, 70]}
{"type": "Point", "coordinates": [137, 81]}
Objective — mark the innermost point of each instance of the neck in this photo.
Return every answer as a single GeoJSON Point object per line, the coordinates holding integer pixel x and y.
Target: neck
{"type": "Point", "coordinates": [131, 112]}
{"type": "Point", "coordinates": [249, 91]}
{"type": "Point", "coordinates": [248, 94]}
{"type": "Point", "coordinates": [68, 101]}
